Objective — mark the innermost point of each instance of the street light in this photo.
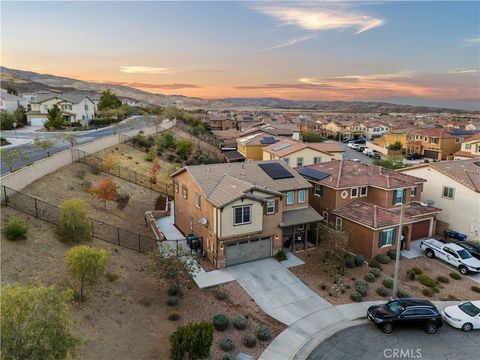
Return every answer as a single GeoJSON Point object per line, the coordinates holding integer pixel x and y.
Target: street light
{"type": "Point", "coordinates": [399, 239]}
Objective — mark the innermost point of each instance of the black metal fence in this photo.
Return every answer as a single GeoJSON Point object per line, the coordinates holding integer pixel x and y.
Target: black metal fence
{"type": "Point", "coordinates": [123, 173]}
{"type": "Point", "coordinates": [51, 213]}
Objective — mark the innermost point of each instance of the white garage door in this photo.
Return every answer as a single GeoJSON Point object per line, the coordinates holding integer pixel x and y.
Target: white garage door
{"type": "Point", "coordinates": [37, 121]}
{"type": "Point", "coordinates": [248, 250]}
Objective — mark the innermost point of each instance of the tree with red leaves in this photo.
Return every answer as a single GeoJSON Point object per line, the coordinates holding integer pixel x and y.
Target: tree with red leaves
{"type": "Point", "coordinates": [106, 190]}
{"type": "Point", "coordinates": [154, 170]}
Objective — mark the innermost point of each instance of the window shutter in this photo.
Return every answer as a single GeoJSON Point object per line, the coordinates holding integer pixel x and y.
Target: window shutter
{"type": "Point", "coordinates": [276, 205]}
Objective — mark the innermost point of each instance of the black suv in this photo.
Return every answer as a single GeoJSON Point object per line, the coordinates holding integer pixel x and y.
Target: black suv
{"type": "Point", "coordinates": [406, 312]}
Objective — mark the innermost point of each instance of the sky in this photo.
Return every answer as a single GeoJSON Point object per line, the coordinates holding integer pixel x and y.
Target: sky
{"type": "Point", "coordinates": [291, 50]}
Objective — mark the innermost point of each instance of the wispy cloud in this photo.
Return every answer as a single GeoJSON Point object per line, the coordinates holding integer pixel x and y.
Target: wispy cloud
{"type": "Point", "coordinates": [464, 71]}
{"type": "Point", "coordinates": [157, 86]}
{"type": "Point", "coordinates": [471, 41]}
{"type": "Point", "coordinates": [288, 43]}
{"type": "Point", "coordinates": [317, 18]}
{"type": "Point", "coordinates": [144, 70]}
{"type": "Point", "coordinates": [369, 77]}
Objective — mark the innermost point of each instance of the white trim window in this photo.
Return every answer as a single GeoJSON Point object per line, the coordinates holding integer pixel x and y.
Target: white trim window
{"type": "Point", "coordinates": [318, 190]}
{"type": "Point", "coordinates": [398, 196]}
{"type": "Point", "coordinates": [299, 161]}
{"type": "Point", "coordinates": [363, 191]}
{"type": "Point", "coordinates": [317, 159]}
{"type": "Point", "coordinates": [354, 192]}
{"type": "Point", "coordinates": [448, 192]}
{"type": "Point", "coordinates": [386, 237]}
{"type": "Point", "coordinates": [338, 223]}
{"type": "Point", "coordinates": [270, 207]}
{"type": "Point", "coordinates": [413, 191]}
{"type": "Point", "coordinates": [242, 215]}
{"type": "Point", "coordinates": [290, 197]}
{"type": "Point", "coordinates": [287, 160]}
{"type": "Point", "coordinates": [325, 217]}
{"type": "Point", "coordinates": [198, 201]}
{"type": "Point", "coordinates": [301, 196]}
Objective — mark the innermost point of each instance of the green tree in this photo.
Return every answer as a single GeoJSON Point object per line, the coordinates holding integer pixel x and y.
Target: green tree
{"type": "Point", "coordinates": [54, 118]}
{"type": "Point", "coordinates": [35, 324]}
{"type": "Point", "coordinates": [396, 146]}
{"type": "Point", "coordinates": [20, 116]}
{"type": "Point", "coordinates": [184, 148]}
{"type": "Point", "coordinates": [74, 224]}
{"type": "Point", "coordinates": [86, 265]}
{"type": "Point", "coordinates": [194, 339]}
{"type": "Point", "coordinates": [199, 130]}
{"type": "Point", "coordinates": [11, 90]}
{"type": "Point", "coordinates": [43, 144]}
{"type": "Point", "coordinates": [108, 100]}
{"type": "Point", "coordinates": [393, 162]}
{"type": "Point", "coordinates": [152, 153]}
{"type": "Point", "coordinates": [312, 136]}
{"type": "Point", "coordinates": [6, 120]}
{"type": "Point", "coordinates": [167, 140]}
{"type": "Point", "coordinates": [12, 156]}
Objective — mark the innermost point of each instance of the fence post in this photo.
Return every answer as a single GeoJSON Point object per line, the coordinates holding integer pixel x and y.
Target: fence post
{"type": "Point", "coordinates": [5, 194]}
{"type": "Point", "coordinates": [36, 207]}
{"type": "Point", "coordinates": [139, 241]}
{"type": "Point", "coordinates": [118, 236]}
{"type": "Point", "coordinates": [93, 233]}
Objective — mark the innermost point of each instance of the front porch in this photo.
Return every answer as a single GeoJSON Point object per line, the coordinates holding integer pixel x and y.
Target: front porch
{"type": "Point", "coordinates": [300, 229]}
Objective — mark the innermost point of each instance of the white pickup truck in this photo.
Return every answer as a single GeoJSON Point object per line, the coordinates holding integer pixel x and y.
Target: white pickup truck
{"type": "Point", "coordinates": [451, 253]}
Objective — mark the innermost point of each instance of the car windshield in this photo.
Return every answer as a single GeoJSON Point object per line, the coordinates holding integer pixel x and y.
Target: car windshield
{"type": "Point", "coordinates": [464, 254]}
{"type": "Point", "coordinates": [469, 309]}
{"type": "Point", "coordinates": [395, 307]}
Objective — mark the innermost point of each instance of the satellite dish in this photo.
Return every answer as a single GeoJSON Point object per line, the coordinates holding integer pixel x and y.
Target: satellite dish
{"type": "Point", "coordinates": [203, 221]}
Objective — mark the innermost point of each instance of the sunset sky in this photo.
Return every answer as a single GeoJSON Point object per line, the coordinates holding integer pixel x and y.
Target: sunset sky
{"type": "Point", "coordinates": [311, 50]}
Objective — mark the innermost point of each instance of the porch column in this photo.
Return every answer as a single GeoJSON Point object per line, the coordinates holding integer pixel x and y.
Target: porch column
{"type": "Point", "coordinates": [430, 227]}
{"type": "Point", "coordinates": [317, 234]}
{"type": "Point", "coordinates": [307, 230]}
{"type": "Point", "coordinates": [293, 238]}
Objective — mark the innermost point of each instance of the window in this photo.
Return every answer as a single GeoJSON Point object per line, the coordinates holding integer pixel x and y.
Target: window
{"type": "Point", "coordinates": [386, 238]}
{"type": "Point", "coordinates": [290, 197]}
{"type": "Point", "coordinates": [433, 140]}
{"type": "Point", "coordinates": [175, 185]}
{"type": "Point", "coordinates": [300, 161]}
{"type": "Point", "coordinates": [317, 159]}
{"type": "Point", "coordinates": [468, 146]}
{"type": "Point", "coordinates": [270, 206]}
{"type": "Point", "coordinates": [458, 140]}
{"type": "Point", "coordinates": [354, 192]}
{"type": "Point", "coordinates": [363, 191]}
{"type": "Point", "coordinates": [338, 223]}
{"type": "Point", "coordinates": [325, 217]}
{"type": "Point", "coordinates": [448, 192]}
{"type": "Point", "coordinates": [242, 215]}
{"type": "Point", "coordinates": [413, 191]}
{"type": "Point", "coordinates": [198, 201]}
{"type": "Point", "coordinates": [301, 196]}
{"type": "Point", "coordinates": [398, 196]}
{"type": "Point", "coordinates": [185, 192]}
{"type": "Point", "coordinates": [86, 106]}
{"type": "Point", "coordinates": [376, 129]}
{"type": "Point", "coordinates": [318, 190]}
{"type": "Point", "coordinates": [287, 160]}
{"type": "Point", "coordinates": [190, 223]}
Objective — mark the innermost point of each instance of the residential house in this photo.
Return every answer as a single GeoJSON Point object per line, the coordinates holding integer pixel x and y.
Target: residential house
{"type": "Point", "coordinates": [399, 135]}
{"type": "Point", "coordinates": [374, 129]}
{"type": "Point", "coordinates": [297, 153]}
{"type": "Point", "coordinates": [364, 200]}
{"type": "Point", "coordinates": [345, 129]}
{"type": "Point", "coordinates": [251, 145]}
{"type": "Point", "coordinates": [218, 122]}
{"type": "Point", "coordinates": [455, 187]}
{"type": "Point", "coordinates": [9, 103]}
{"type": "Point", "coordinates": [470, 148]}
{"type": "Point", "coordinates": [243, 211]}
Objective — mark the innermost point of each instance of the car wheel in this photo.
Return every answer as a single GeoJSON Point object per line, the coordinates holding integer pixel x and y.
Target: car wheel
{"type": "Point", "coordinates": [463, 270]}
{"type": "Point", "coordinates": [387, 328]}
{"type": "Point", "coordinates": [430, 253]}
{"type": "Point", "coordinates": [431, 328]}
{"type": "Point", "coordinates": [467, 327]}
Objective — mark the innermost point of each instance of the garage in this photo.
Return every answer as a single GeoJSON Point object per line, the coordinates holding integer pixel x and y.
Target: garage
{"type": "Point", "coordinates": [248, 250]}
{"type": "Point", "coordinates": [37, 121]}
{"type": "Point", "coordinates": [431, 154]}
{"type": "Point", "coordinates": [420, 229]}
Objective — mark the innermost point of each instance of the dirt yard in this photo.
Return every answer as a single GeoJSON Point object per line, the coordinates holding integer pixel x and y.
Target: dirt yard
{"type": "Point", "coordinates": [313, 273]}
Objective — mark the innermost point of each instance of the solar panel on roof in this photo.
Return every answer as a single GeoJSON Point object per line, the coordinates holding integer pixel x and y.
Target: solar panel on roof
{"type": "Point", "coordinates": [276, 171]}
{"type": "Point", "coordinates": [268, 140]}
{"type": "Point", "coordinates": [313, 174]}
{"type": "Point", "coordinates": [281, 147]}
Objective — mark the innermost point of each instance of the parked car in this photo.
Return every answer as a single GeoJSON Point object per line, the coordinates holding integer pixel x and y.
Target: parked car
{"type": "Point", "coordinates": [351, 144]}
{"type": "Point", "coordinates": [473, 247]}
{"type": "Point", "coordinates": [361, 141]}
{"type": "Point", "coordinates": [356, 160]}
{"type": "Point", "coordinates": [371, 153]}
{"type": "Point", "coordinates": [413, 156]}
{"type": "Point", "coordinates": [406, 312]}
{"type": "Point", "coordinates": [360, 147]}
{"type": "Point", "coordinates": [452, 234]}
{"type": "Point", "coordinates": [465, 316]}
{"type": "Point", "coordinates": [451, 253]}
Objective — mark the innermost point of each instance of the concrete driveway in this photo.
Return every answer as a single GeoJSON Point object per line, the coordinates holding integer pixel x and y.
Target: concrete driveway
{"type": "Point", "coordinates": [276, 290]}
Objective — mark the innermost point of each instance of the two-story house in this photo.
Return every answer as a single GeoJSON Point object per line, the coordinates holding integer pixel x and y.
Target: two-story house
{"type": "Point", "coordinates": [251, 145]}
{"type": "Point", "coordinates": [243, 211]}
{"type": "Point", "coordinates": [9, 103]}
{"type": "Point", "coordinates": [218, 122]}
{"type": "Point", "coordinates": [399, 135]}
{"type": "Point", "coordinates": [374, 129]}
{"type": "Point", "coordinates": [469, 149]}
{"type": "Point", "coordinates": [345, 129]}
{"type": "Point", "coordinates": [364, 200]}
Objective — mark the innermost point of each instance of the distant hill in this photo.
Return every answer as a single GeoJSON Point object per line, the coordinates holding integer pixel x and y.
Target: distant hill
{"type": "Point", "coordinates": [29, 81]}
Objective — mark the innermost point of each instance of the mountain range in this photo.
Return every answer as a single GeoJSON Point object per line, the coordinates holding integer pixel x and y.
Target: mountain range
{"type": "Point", "coordinates": [29, 81]}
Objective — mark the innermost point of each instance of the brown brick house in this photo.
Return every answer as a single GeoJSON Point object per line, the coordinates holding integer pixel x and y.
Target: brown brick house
{"type": "Point", "coordinates": [362, 198]}
{"type": "Point", "coordinates": [243, 211]}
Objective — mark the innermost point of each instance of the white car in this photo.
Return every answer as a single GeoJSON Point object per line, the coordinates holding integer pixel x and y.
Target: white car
{"type": "Point", "coordinates": [451, 253]}
{"type": "Point", "coordinates": [351, 144]}
{"type": "Point", "coordinates": [465, 316]}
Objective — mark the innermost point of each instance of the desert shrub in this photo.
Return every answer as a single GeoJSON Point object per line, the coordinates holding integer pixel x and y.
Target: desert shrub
{"type": "Point", "coordinates": [427, 292]}
{"type": "Point", "coordinates": [426, 280]}
{"type": "Point", "coordinates": [374, 264]}
{"type": "Point", "coordinates": [411, 275]}
{"type": "Point", "coordinates": [443, 279]}
{"type": "Point", "coordinates": [172, 301]}
{"type": "Point", "coordinates": [95, 170]}
{"type": "Point", "coordinates": [369, 277]}
{"type": "Point", "coordinates": [173, 317]}
{"type": "Point", "coordinates": [15, 229]}
{"type": "Point", "coordinates": [146, 301]}
{"type": "Point", "coordinates": [240, 322]}
{"type": "Point", "coordinates": [281, 255]}
{"type": "Point", "coordinates": [382, 291]}
{"type": "Point", "coordinates": [173, 290]}
{"type": "Point", "coordinates": [323, 286]}
{"type": "Point", "coordinates": [87, 184]}
{"type": "Point", "coordinates": [362, 290]}
{"type": "Point", "coordinates": [193, 339]}
{"type": "Point", "coordinates": [227, 357]}
{"type": "Point", "coordinates": [220, 322]}
{"type": "Point", "coordinates": [227, 344]}
{"type": "Point", "coordinates": [264, 333]}
{"type": "Point", "coordinates": [392, 254]}
{"type": "Point", "coordinates": [356, 296]}
{"type": "Point", "coordinates": [122, 200]}
{"type": "Point", "coordinates": [388, 283]}
{"type": "Point", "coordinates": [376, 272]}
{"type": "Point", "coordinates": [360, 282]}
{"type": "Point", "coordinates": [249, 340]}
{"type": "Point", "coordinates": [349, 261]}
{"type": "Point", "coordinates": [455, 276]}
{"type": "Point", "coordinates": [221, 295]}
{"type": "Point", "coordinates": [81, 174]}
{"type": "Point", "coordinates": [476, 289]}
{"type": "Point", "coordinates": [359, 260]}
{"type": "Point", "coordinates": [112, 276]}
{"type": "Point", "coordinates": [402, 293]}
{"type": "Point", "coordinates": [383, 259]}
{"type": "Point", "coordinates": [417, 271]}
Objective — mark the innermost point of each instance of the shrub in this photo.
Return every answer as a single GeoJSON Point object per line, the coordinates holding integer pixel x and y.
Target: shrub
{"type": "Point", "coordinates": [172, 301]}
{"type": "Point", "coordinates": [95, 170]}
{"type": "Point", "coordinates": [382, 291]}
{"type": "Point", "coordinates": [264, 333]}
{"type": "Point", "coordinates": [356, 296]}
{"type": "Point", "coordinates": [221, 295]}
{"type": "Point", "coordinates": [323, 286]}
{"type": "Point", "coordinates": [15, 229]}
{"type": "Point", "coordinates": [455, 276]}
{"type": "Point", "coordinates": [173, 290]}
{"type": "Point", "coordinates": [411, 275]}
{"type": "Point", "coordinates": [369, 277]}
{"type": "Point", "coordinates": [362, 290]}
{"type": "Point", "coordinates": [359, 260]}
{"type": "Point", "coordinates": [476, 289]}
{"type": "Point", "coordinates": [281, 255]}
{"type": "Point", "coordinates": [81, 174]}
{"type": "Point", "coordinates": [383, 259]}
{"type": "Point", "coordinates": [388, 283]}
{"type": "Point", "coordinates": [249, 340]}
{"type": "Point", "coordinates": [349, 261]}
{"type": "Point", "coordinates": [360, 282]}
{"type": "Point", "coordinates": [240, 322]}
{"type": "Point", "coordinates": [122, 200]}
{"type": "Point", "coordinates": [112, 276]}
{"type": "Point", "coordinates": [443, 279]}
{"type": "Point", "coordinates": [374, 264]}
{"type": "Point", "coordinates": [427, 292]}
{"type": "Point", "coordinates": [192, 339]}
{"type": "Point", "coordinates": [427, 281]}
{"type": "Point", "coordinates": [227, 357]}
{"type": "Point", "coordinates": [146, 301]}
{"type": "Point", "coordinates": [227, 344]}
{"type": "Point", "coordinates": [376, 272]}
{"type": "Point", "coordinates": [417, 270]}
{"type": "Point", "coordinates": [173, 317]}
{"type": "Point", "coordinates": [74, 223]}
{"type": "Point", "coordinates": [402, 293]}
{"type": "Point", "coordinates": [392, 254]}
{"type": "Point", "coordinates": [87, 185]}
{"type": "Point", "coordinates": [220, 322]}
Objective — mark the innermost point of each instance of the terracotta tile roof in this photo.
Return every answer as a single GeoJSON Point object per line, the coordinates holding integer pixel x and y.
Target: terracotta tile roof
{"type": "Point", "coordinates": [466, 172]}
{"type": "Point", "coordinates": [466, 154]}
{"type": "Point", "coordinates": [416, 209]}
{"type": "Point", "coordinates": [346, 173]}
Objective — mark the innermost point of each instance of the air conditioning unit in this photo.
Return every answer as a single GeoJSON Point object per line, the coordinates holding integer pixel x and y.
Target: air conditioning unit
{"type": "Point", "coordinates": [430, 203]}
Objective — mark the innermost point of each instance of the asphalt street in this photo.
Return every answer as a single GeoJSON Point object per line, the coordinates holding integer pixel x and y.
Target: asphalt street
{"type": "Point", "coordinates": [367, 342]}
{"type": "Point", "coordinates": [350, 154]}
